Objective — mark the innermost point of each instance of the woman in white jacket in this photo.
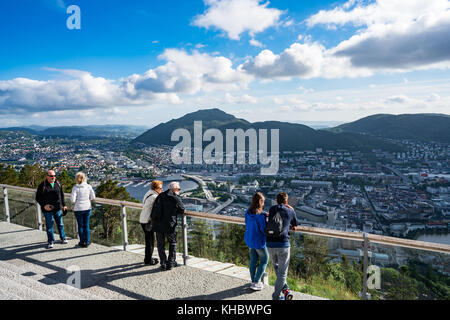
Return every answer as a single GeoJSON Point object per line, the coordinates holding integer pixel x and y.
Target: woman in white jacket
{"type": "Point", "coordinates": [82, 194]}
{"type": "Point", "coordinates": [145, 220]}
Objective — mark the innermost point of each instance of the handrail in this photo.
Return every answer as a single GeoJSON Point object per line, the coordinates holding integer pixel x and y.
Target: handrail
{"type": "Point", "coordinates": [356, 236]}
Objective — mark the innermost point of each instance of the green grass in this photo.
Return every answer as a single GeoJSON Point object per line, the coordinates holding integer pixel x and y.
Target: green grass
{"type": "Point", "coordinates": [317, 286]}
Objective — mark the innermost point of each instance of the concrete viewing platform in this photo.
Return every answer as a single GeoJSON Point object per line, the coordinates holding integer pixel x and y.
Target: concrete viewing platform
{"type": "Point", "coordinates": [30, 271]}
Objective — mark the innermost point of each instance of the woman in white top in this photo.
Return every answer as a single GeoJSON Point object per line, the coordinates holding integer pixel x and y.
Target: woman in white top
{"type": "Point", "coordinates": [82, 194]}
{"type": "Point", "coordinates": [145, 220]}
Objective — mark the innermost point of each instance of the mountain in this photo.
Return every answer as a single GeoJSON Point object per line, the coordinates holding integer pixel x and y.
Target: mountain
{"type": "Point", "coordinates": [420, 127]}
{"type": "Point", "coordinates": [83, 131]}
{"type": "Point", "coordinates": [293, 136]}
{"type": "Point", "coordinates": [23, 129]}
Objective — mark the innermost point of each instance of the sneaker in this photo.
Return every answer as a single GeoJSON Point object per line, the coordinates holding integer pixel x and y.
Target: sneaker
{"type": "Point", "coordinates": [49, 245]}
{"type": "Point", "coordinates": [163, 267]}
{"type": "Point", "coordinates": [288, 294]}
{"type": "Point", "coordinates": [257, 286]}
{"type": "Point", "coordinates": [64, 241]}
{"type": "Point", "coordinates": [81, 245]}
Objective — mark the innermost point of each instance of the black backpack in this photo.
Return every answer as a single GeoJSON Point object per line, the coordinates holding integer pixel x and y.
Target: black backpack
{"type": "Point", "coordinates": [157, 209]}
{"type": "Point", "coordinates": [274, 227]}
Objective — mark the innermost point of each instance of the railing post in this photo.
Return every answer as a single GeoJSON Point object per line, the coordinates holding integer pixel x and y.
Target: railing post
{"type": "Point", "coordinates": [39, 216]}
{"type": "Point", "coordinates": [185, 239]}
{"type": "Point", "coordinates": [124, 226]}
{"type": "Point", "coordinates": [5, 195]}
{"type": "Point", "coordinates": [365, 265]}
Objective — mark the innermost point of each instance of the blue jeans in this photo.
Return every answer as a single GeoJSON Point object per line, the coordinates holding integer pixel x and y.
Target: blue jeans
{"type": "Point", "coordinates": [262, 254]}
{"type": "Point", "coordinates": [55, 216]}
{"type": "Point", "coordinates": [280, 259]}
{"type": "Point", "coordinates": [83, 225]}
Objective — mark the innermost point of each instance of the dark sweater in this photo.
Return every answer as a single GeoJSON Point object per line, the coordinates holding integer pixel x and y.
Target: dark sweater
{"type": "Point", "coordinates": [289, 219]}
{"type": "Point", "coordinates": [166, 207]}
{"type": "Point", "coordinates": [46, 194]}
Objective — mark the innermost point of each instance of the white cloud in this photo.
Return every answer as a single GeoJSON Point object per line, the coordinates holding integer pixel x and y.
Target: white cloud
{"type": "Point", "coordinates": [394, 35]}
{"type": "Point", "coordinates": [397, 99]}
{"type": "Point", "coordinates": [303, 60]}
{"type": "Point", "coordinates": [183, 73]}
{"type": "Point", "coordinates": [235, 17]}
{"type": "Point", "coordinates": [245, 99]}
{"type": "Point", "coordinates": [255, 43]}
{"type": "Point", "coordinates": [80, 91]}
{"type": "Point", "coordinates": [188, 73]}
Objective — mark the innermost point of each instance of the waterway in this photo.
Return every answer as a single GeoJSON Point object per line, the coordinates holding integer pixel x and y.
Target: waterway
{"type": "Point", "coordinates": [138, 192]}
{"type": "Point", "coordinates": [435, 238]}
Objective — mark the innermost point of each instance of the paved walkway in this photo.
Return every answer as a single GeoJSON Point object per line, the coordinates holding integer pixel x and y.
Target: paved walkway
{"type": "Point", "coordinates": [30, 271]}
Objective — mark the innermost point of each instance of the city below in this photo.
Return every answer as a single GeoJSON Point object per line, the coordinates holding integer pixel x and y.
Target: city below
{"type": "Point", "coordinates": [402, 194]}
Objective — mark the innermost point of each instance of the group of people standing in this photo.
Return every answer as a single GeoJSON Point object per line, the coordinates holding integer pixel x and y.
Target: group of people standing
{"type": "Point", "coordinates": [50, 196]}
{"type": "Point", "coordinates": [266, 233]}
{"type": "Point", "coordinates": [159, 215]}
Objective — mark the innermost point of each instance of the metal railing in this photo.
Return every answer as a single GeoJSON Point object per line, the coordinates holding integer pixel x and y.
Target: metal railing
{"type": "Point", "coordinates": [365, 238]}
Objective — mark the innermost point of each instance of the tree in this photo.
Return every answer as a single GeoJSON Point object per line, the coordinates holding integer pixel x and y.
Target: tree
{"type": "Point", "coordinates": [110, 216]}
{"type": "Point", "coordinates": [398, 284]}
{"type": "Point", "coordinates": [230, 244]}
{"type": "Point", "coordinates": [202, 243]}
{"type": "Point", "coordinates": [66, 181]}
{"type": "Point", "coordinates": [9, 176]}
{"type": "Point", "coordinates": [353, 276]}
{"type": "Point", "coordinates": [315, 252]}
{"type": "Point", "coordinates": [31, 176]}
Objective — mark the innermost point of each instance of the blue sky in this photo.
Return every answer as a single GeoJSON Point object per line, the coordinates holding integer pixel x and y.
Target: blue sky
{"type": "Point", "coordinates": [144, 62]}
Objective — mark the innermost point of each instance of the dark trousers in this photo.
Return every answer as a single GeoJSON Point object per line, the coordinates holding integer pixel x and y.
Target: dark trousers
{"type": "Point", "coordinates": [149, 243]}
{"type": "Point", "coordinates": [161, 242]}
{"type": "Point", "coordinates": [83, 225]}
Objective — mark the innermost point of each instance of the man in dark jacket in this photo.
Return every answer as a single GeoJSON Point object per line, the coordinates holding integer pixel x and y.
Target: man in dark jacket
{"type": "Point", "coordinates": [167, 206]}
{"type": "Point", "coordinates": [50, 197]}
{"type": "Point", "coordinates": [279, 246]}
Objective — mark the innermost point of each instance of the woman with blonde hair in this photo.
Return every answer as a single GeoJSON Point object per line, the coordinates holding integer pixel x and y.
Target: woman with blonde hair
{"type": "Point", "coordinates": [81, 196]}
{"type": "Point", "coordinates": [255, 238]}
{"type": "Point", "coordinates": [146, 223]}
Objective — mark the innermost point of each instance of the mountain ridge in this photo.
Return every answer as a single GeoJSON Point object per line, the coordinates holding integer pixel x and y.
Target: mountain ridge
{"type": "Point", "coordinates": [293, 136]}
{"type": "Point", "coordinates": [424, 127]}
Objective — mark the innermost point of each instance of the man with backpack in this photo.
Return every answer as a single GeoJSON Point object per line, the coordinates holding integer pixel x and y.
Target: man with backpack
{"type": "Point", "coordinates": [50, 197]}
{"type": "Point", "coordinates": [281, 218]}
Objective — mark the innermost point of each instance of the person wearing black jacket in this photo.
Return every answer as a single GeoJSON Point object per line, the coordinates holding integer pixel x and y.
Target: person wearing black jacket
{"type": "Point", "coordinates": [167, 206]}
{"type": "Point", "coordinates": [50, 197]}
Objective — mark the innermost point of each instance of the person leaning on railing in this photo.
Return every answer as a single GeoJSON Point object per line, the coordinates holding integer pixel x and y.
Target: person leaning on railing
{"type": "Point", "coordinates": [146, 221]}
{"type": "Point", "coordinates": [283, 216]}
{"type": "Point", "coordinates": [255, 238]}
{"type": "Point", "coordinates": [82, 195]}
{"type": "Point", "coordinates": [50, 197]}
{"type": "Point", "coordinates": [164, 218]}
